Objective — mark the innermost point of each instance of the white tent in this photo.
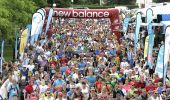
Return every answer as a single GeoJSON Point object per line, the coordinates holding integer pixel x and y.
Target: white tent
{"type": "Point", "coordinates": [156, 10]}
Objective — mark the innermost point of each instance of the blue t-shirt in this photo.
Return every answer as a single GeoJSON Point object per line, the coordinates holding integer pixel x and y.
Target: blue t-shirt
{"type": "Point", "coordinates": [63, 69]}
{"type": "Point", "coordinates": [58, 82]}
{"type": "Point", "coordinates": [91, 79]}
{"type": "Point", "coordinates": [112, 51]}
{"type": "Point", "coordinates": [159, 90]}
{"type": "Point", "coordinates": [69, 93]}
{"type": "Point", "coordinates": [81, 65]}
{"type": "Point", "coordinates": [97, 52]}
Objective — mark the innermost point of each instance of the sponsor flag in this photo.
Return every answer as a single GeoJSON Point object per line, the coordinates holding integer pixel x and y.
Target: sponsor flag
{"type": "Point", "coordinates": [16, 44]}
{"type": "Point", "coordinates": [29, 32]}
{"type": "Point", "coordinates": [146, 47]}
{"type": "Point", "coordinates": [23, 41]}
{"type": "Point", "coordinates": [166, 52]}
{"type": "Point", "coordinates": [42, 12]}
{"type": "Point", "coordinates": [136, 37]}
{"type": "Point", "coordinates": [49, 19]}
{"type": "Point", "coordinates": [125, 24]}
{"type": "Point", "coordinates": [2, 55]}
{"type": "Point", "coordinates": [149, 13]}
{"type": "Point", "coordinates": [160, 62]}
{"type": "Point", "coordinates": [36, 19]}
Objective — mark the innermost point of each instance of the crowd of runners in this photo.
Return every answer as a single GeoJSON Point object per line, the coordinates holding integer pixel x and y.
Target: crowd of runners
{"type": "Point", "coordinates": [83, 61]}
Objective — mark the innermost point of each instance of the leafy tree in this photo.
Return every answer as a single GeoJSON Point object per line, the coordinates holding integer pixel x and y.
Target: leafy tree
{"type": "Point", "coordinates": [16, 13]}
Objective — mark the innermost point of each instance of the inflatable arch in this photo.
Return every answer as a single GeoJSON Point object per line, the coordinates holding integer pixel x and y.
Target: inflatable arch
{"type": "Point", "coordinates": [113, 14]}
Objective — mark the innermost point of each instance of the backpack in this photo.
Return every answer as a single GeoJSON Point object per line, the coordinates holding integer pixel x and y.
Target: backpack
{"type": "Point", "coordinates": [11, 88]}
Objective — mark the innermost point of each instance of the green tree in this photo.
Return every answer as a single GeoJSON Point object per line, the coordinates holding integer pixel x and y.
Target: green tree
{"type": "Point", "coordinates": [16, 13]}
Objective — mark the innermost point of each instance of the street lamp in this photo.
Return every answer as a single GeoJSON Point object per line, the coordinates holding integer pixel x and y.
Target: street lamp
{"type": "Point", "coordinates": [54, 5]}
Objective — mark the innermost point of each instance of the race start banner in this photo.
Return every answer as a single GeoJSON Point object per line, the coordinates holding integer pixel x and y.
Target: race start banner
{"type": "Point", "coordinates": [111, 13]}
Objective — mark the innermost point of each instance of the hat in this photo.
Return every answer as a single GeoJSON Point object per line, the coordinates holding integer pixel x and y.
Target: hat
{"type": "Point", "coordinates": [48, 91]}
{"type": "Point", "coordinates": [92, 88]}
{"type": "Point", "coordinates": [36, 73]}
{"type": "Point", "coordinates": [23, 78]}
{"type": "Point", "coordinates": [24, 66]}
{"type": "Point", "coordinates": [60, 94]}
{"type": "Point", "coordinates": [67, 72]}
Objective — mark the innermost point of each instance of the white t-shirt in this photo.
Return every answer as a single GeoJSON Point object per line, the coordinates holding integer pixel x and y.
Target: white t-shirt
{"type": "Point", "coordinates": [124, 64]}
{"type": "Point", "coordinates": [30, 67]}
{"type": "Point", "coordinates": [16, 75]}
{"type": "Point", "coordinates": [75, 76]}
{"type": "Point", "coordinates": [85, 93]}
{"type": "Point", "coordinates": [43, 88]}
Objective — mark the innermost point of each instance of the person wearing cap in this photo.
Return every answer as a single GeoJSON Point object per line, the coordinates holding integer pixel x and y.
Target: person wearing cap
{"type": "Point", "coordinates": [28, 89]}
{"type": "Point", "coordinates": [85, 90]}
{"type": "Point", "coordinates": [24, 72]}
{"type": "Point", "coordinates": [91, 78]}
{"type": "Point", "coordinates": [93, 94]}
{"type": "Point", "coordinates": [81, 65]}
{"type": "Point", "coordinates": [155, 96]}
{"type": "Point", "coordinates": [48, 96]}
{"type": "Point", "coordinates": [60, 96]}
{"type": "Point", "coordinates": [22, 85]}
{"type": "Point", "coordinates": [42, 87]}
{"type": "Point", "coordinates": [71, 92]}
{"type": "Point", "coordinates": [58, 81]}
{"type": "Point", "coordinates": [124, 63]}
{"type": "Point", "coordinates": [13, 89]}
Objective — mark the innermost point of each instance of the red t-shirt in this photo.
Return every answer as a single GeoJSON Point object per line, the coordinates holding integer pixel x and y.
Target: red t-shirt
{"type": "Point", "coordinates": [98, 85]}
{"type": "Point", "coordinates": [63, 61]}
{"type": "Point", "coordinates": [29, 89]}
{"type": "Point", "coordinates": [156, 80]}
{"type": "Point", "coordinates": [151, 87]}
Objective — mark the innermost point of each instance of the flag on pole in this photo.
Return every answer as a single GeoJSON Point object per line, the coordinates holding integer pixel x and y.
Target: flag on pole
{"type": "Point", "coordinates": [136, 37]}
{"type": "Point", "coordinates": [36, 19]}
{"type": "Point", "coordinates": [23, 41]}
{"type": "Point", "coordinates": [149, 15]}
{"type": "Point", "coordinates": [2, 55]}
{"type": "Point", "coordinates": [125, 24]}
{"type": "Point", "coordinates": [16, 44]}
{"type": "Point", "coordinates": [146, 47]}
{"type": "Point", "coordinates": [160, 62]}
{"type": "Point", "coordinates": [166, 52]}
{"type": "Point", "coordinates": [29, 26]}
{"type": "Point", "coordinates": [42, 12]}
{"type": "Point", "coordinates": [49, 19]}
